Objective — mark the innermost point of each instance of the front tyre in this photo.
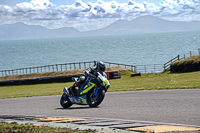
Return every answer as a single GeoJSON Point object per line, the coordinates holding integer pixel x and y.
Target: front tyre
{"type": "Point", "coordinates": [95, 100]}
{"type": "Point", "coordinates": [64, 101]}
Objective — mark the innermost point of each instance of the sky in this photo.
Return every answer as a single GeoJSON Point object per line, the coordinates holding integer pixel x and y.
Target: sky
{"type": "Point", "coordinates": [87, 15]}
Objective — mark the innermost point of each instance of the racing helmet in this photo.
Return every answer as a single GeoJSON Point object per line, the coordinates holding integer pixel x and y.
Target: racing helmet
{"type": "Point", "coordinates": [101, 66]}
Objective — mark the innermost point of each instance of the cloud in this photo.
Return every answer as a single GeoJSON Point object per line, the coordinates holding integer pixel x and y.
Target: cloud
{"type": "Point", "coordinates": [89, 16]}
{"type": "Point", "coordinates": [35, 5]}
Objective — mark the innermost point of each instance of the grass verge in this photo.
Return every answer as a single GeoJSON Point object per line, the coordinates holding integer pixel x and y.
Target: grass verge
{"type": "Point", "coordinates": [14, 127]}
{"type": "Point", "coordinates": [126, 83]}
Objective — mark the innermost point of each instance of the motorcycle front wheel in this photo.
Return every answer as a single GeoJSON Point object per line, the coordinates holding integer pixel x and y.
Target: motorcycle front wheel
{"type": "Point", "coordinates": [95, 100]}
{"type": "Point", "coordinates": [64, 101]}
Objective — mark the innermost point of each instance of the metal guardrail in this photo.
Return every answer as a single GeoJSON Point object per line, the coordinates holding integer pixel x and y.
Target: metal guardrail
{"type": "Point", "coordinates": [131, 67]}
{"type": "Point", "coordinates": [48, 68]}
{"type": "Point", "coordinates": [152, 68]}
{"type": "Point", "coordinates": [59, 67]}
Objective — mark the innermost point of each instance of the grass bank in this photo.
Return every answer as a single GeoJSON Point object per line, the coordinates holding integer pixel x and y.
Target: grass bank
{"type": "Point", "coordinates": [14, 127]}
{"type": "Point", "coordinates": [187, 65]}
{"type": "Point", "coordinates": [188, 61]}
{"type": "Point", "coordinates": [54, 73]}
{"type": "Point", "coordinates": [126, 83]}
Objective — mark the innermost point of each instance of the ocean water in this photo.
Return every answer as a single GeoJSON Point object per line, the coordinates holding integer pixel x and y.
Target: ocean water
{"type": "Point", "coordinates": [140, 49]}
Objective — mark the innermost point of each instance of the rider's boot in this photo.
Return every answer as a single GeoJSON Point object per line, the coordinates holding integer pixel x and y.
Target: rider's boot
{"type": "Point", "coordinates": [72, 89]}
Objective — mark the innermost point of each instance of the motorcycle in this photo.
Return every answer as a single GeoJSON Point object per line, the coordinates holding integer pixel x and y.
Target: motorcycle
{"type": "Point", "coordinates": [91, 94]}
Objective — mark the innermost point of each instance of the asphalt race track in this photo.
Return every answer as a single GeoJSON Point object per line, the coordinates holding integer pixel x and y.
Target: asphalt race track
{"type": "Point", "coordinates": [167, 106]}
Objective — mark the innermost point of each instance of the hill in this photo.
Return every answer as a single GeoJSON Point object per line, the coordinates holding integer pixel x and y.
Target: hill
{"type": "Point", "coordinates": [144, 24]}
{"type": "Point", "coordinates": [23, 31]}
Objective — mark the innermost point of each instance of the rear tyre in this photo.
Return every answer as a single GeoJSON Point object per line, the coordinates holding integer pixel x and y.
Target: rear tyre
{"type": "Point", "coordinates": [64, 101]}
{"type": "Point", "coordinates": [95, 100]}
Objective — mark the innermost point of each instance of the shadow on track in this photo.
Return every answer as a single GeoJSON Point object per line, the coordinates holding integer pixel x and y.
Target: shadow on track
{"type": "Point", "coordinates": [73, 108]}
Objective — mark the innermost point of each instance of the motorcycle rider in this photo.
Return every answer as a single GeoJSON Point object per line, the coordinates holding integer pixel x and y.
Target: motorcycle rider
{"type": "Point", "coordinates": [90, 73]}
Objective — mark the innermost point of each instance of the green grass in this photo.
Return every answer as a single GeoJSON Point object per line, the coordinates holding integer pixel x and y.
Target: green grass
{"type": "Point", "coordinates": [144, 82]}
{"type": "Point", "coordinates": [14, 127]}
{"type": "Point", "coordinates": [32, 90]}
{"type": "Point", "coordinates": [188, 61]}
{"type": "Point", "coordinates": [157, 81]}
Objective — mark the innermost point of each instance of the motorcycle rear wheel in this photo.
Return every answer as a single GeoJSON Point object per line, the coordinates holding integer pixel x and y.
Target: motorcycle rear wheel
{"type": "Point", "coordinates": [94, 101]}
{"type": "Point", "coordinates": [64, 101]}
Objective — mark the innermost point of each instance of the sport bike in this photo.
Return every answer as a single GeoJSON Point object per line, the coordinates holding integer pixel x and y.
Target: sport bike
{"type": "Point", "coordinates": [91, 94]}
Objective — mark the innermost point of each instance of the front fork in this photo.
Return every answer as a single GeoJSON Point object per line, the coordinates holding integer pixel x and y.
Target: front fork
{"type": "Point", "coordinates": [96, 89]}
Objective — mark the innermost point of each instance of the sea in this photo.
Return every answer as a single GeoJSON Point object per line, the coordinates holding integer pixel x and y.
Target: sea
{"type": "Point", "coordinates": [135, 49]}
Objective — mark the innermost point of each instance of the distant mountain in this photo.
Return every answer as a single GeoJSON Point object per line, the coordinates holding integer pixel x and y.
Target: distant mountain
{"type": "Point", "coordinates": [23, 31]}
{"type": "Point", "coordinates": [144, 24]}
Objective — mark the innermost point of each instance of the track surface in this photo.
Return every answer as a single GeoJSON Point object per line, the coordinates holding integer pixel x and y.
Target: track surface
{"type": "Point", "coordinates": [169, 106]}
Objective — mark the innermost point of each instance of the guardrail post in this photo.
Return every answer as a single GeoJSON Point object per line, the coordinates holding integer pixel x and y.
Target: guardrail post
{"type": "Point", "coordinates": [56, 67]}
{"type": "Point", "coordinates": [74, 65]}
{"type": "Point", "coordinates": [65, 66]}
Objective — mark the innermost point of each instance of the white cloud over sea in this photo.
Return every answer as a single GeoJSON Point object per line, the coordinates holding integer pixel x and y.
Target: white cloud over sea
{"type": "Point", "coordinates": [89, 16]}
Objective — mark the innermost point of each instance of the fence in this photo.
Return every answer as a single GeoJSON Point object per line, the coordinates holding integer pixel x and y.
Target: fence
{"type": "Point", "coordinates": [167, 65]}
{"type": "Point", "coordinates": [191, 53]}
{"type": "Point", "coordinates": [48, 68]}
{"type": "Point", "coordinates": [131, 67]}
{"type": "Point", "coordinates": [155, 68]}
{"type": "Point", "coordinates": [152, 68]}
{"type": "Point", "coordinates": [59, 67]}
